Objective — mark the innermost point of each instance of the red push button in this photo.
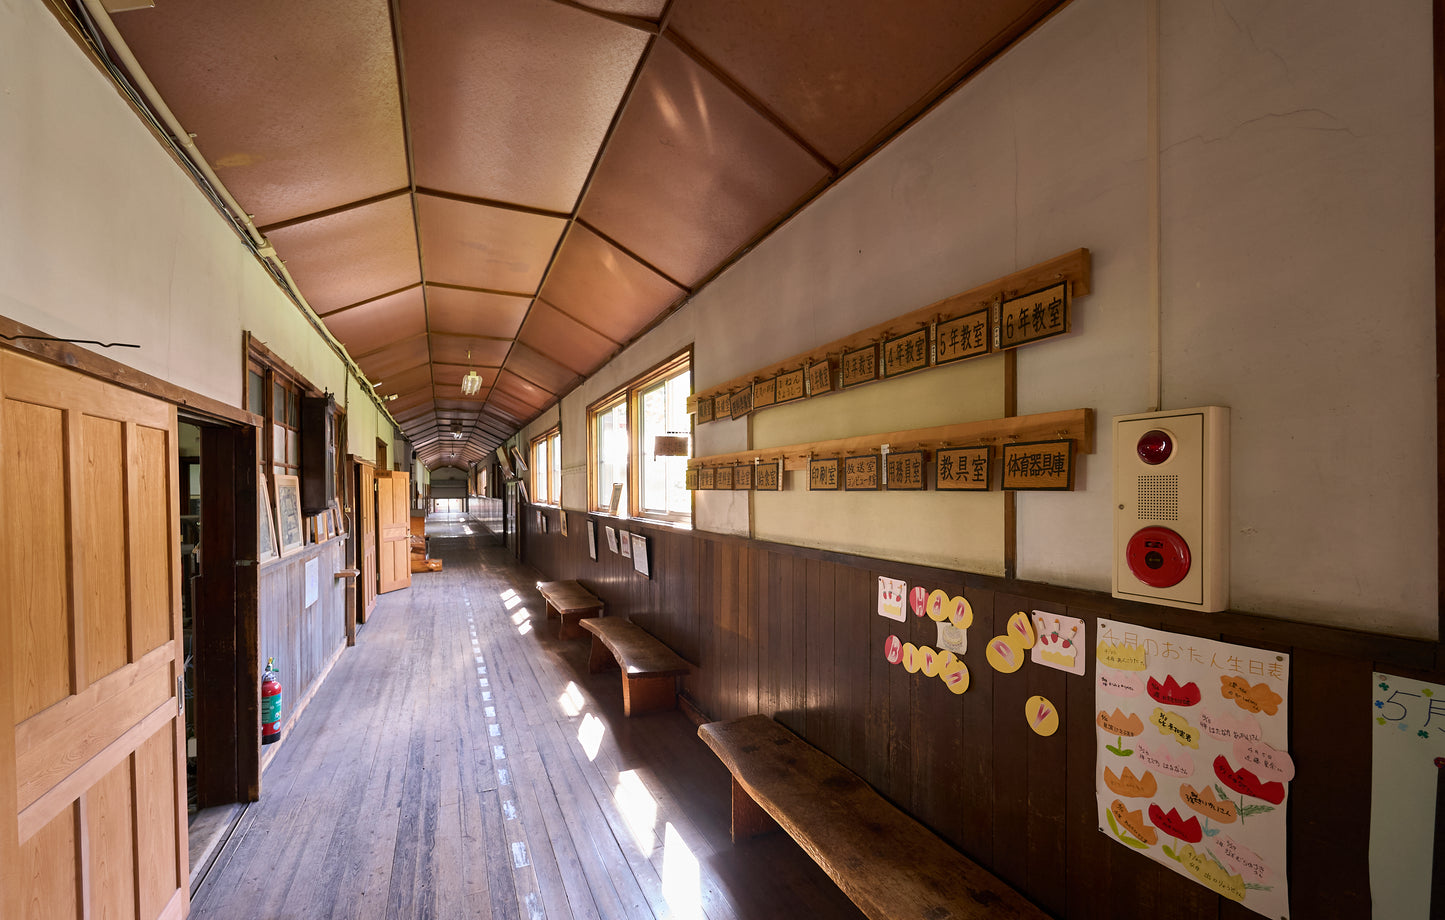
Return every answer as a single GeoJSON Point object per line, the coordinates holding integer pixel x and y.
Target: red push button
{"type": "Point", "coordinates": [1158, 557]}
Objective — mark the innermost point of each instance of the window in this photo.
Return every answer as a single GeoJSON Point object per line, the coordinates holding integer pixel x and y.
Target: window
{"type": "Point", "coordinates": [547, 468]}
{"type": "Point", "coordinates": [623, 455]}
{"type": "Point", "coordinates": [274, 391]}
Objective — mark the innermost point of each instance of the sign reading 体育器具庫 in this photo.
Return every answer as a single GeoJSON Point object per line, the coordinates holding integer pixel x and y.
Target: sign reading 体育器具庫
{"type": "Point", "coordinates": [1044, 466]}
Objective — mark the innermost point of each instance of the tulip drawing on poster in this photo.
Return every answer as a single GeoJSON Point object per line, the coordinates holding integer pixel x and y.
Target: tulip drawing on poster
{"type": "Point", "coordinates": [1193, 768]}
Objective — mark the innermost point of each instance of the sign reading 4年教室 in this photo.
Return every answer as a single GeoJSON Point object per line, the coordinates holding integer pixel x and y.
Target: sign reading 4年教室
{"type": "Point", "coordinates": [1034, 316]}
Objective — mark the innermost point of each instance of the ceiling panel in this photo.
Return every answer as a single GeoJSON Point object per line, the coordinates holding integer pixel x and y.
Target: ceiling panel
{"type": "Point", "coordinates": [352, 255]}
{"type": "Point", "coordinates": [456, 349]}
{"type": "Point", "coordinates": [567, 341]}
{"type": "Point", "coordinates": [514, 407]}
{"type": "Point", "coordinates": [295, 105]}
{"type": "Point", "coordinates": [469, 406]}
{"type": "Point", "coordinates": [844, 74]}
{"type": "Point", "coordinates": [474, 312]}
{"type": "Point", "coordinates": [407, 409]}
{"type": "Point", "coordinates": [380, 322]}
{"type": "Point", "coordinates": [603, 287]}
{"type": "Point", "coordinates": [509, 100]}
{"type": "Point", "coordinates": [478, 246]}
{"type": "Point", "coordinates": [531, 394]}
{"type": "Point", "coordinates": [692, 172]}
{"type": "Point", "coordinates": [394, 358]}
{"type": "Point", "coordinates": [543, 371]}
{"type": "Point", "coordinates": [406, 381]}
{"type": "Point", "coordinates": [643, 9]}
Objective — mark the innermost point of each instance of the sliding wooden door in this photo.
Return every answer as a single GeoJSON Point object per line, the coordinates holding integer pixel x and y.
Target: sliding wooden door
{"type": "Point", "coordinates": [92, 759]}
{"type": "Point", "coordinates": [393, 513]}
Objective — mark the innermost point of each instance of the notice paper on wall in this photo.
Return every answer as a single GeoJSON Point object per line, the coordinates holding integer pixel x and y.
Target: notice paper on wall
{"type": "Point", "coordinates": [1193, 768]}
{"type": "Point", "coordinates": [1409, 753]}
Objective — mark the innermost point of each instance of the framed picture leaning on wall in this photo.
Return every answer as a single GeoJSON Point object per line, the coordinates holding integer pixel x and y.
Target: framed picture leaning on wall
{"type": "Point", "coordinates": [288, 514]}
{"type": "Point", "coordinates": [265, 521]}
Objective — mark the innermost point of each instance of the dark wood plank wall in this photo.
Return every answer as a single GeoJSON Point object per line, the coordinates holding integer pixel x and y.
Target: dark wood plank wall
{"type": "Point", "coordinates": [302, 639]}
{"type": "Point", "coordinates": [793, 632]}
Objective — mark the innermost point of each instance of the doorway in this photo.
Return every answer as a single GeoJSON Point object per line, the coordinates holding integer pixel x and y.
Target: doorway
{"type": "Point", "coordinates": [219, 551]}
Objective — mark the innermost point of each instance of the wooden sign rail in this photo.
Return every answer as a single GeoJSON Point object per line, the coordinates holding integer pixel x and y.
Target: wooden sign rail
{"type": "Point", "coordinates": [1074, 424]}
{"type": "Point", "coordinates": [1073, 268]}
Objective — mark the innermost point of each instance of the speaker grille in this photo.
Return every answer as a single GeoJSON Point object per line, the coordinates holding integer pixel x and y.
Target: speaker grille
{"type": "Point", "coordinates": [1158, 498]}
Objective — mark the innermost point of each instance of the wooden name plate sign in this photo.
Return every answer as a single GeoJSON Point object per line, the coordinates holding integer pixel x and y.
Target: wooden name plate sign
{"type": "Point", "coordinates": [905, 471]}
{"type": "Point", "coordinates": [823, 475]}
{"type": "Point", "coordinates": [723, 478]}
{"type": "Point", "coordinates": [743, 476]}
{"type": "Point", "coordinates": [1036, 315]}
{"type": "Point", "coordinates": [860, 474]}
{"type": "Point", "coordinates": [962, 337]}
{"type": "Point", "coordinates": [741, 402]}
{"type": "Point", "coordinates": [1046, 466]}
{"type": "Point", "coordinates": [860, 366]}
{"type": "Point", "coordinates": [820, 377]}
{"type": "Point", "coordinates": [704, 410]}
{"type": "Point", "coordinates": [707, 478]}
{"type": "Point", "coordinates": [768, 476]}
{"type": "Point", "coordinates": [905, 353]}
{"type": "Point", "coordinates": [791, 386]}
{"type": "Point", "coordinates": [765, 393]}
{"type": "Point", "coordinates": [963, 469]}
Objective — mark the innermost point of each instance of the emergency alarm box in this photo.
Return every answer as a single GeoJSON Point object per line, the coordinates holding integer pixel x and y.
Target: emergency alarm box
{"type": "Point", "coordinates": [1171, 508]}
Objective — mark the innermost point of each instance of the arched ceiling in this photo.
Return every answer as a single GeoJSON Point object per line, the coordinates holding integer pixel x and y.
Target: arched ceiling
{"type": "Point", "coordinates": [523, 187]}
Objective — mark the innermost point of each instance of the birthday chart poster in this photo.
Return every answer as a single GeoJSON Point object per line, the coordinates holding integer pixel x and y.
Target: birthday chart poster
{"type": "Point", "coordinates": [1193, 768]}
{"type": "Point", "coordinates": [1408, 742]}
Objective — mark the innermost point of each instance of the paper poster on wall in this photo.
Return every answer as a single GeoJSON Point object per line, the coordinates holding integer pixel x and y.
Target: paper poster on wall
{"type": "Point", "coordinates": [891, 595]}
{"type": "Point", "coordinates": [1193, 768]}
{"type": "Point", "coordinates": [1408, 740]}
{"type": "Point", "coordinates": [624, 543]}
{"type": "Point", "coordinates": [313, 581]}
{"type": "Point", "coordinates": [1061, 642]}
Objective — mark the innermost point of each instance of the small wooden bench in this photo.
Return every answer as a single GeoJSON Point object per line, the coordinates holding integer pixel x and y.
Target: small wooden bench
{"type": "Point", "coordinates": [569, 602]}
{"type": "Point", "coordinates": [891, 866]}
{"type": "Point", "coordinates": [649, 669]}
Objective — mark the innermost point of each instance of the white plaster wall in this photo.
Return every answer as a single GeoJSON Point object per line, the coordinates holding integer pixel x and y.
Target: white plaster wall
{"type": "Point", "coordinates": [1297, 279]}
{"type": "Point", "coordinates": [103, 236]}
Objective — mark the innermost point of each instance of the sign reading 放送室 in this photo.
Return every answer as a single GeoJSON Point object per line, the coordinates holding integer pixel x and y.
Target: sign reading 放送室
{"type": "Point", "coordinates": [860, 473]}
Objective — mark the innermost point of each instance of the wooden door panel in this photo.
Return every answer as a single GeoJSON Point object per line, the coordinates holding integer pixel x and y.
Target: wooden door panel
{"type": "Point", "coordinates": [366, 503]}
{"type": "Point", "coordinates": [104, 573]}
{"type": "Point", "coordinates": [92, 772]}
{"type": "Point", "coordinates": [393, 498]}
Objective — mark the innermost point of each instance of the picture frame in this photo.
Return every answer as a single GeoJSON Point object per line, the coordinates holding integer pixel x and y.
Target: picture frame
{"type": "Point", "coordinates": [562, 520]}
{"type": "Point", "coordinates": [624, 543]}
{"type": "Point", "coordinates": [265, 521]}
{"type": "Point", "coordinates": [290, 525]}
{"type": "Point", "coordinates": [639, 555]}
{"type": "Point", "coordinates": [518, 461]}
{"type": "Point", "coordinates": [612, 538]}
{"type": "Point", "coordinates": [592, 539]}
{"type": "Point", "coordinates": [616, 498]}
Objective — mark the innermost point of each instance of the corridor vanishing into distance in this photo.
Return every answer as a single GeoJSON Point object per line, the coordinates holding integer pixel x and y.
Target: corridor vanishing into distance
{"type": "Point", "coordinates": [460, 762]}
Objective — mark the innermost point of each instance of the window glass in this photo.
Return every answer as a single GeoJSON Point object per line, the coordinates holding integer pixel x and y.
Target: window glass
{"type": "Point", "coordinates": [662, 480]}
{"type": "Point", "coordinates": [541, 486]}
{"type": "Point", "coordinates": [554, 451]}
{"type": "Point", "coordinates": [612, 445]}
{"type": "Point", "coordinates": [255, 392]}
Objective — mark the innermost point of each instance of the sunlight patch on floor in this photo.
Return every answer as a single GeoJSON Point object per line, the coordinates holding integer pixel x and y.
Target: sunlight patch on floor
{"type": "Point", "coordinates": [590, 734]}
{"type": "Point", "coordinates": [571, 700]}
{"type": "Point", "coordinates": [681, 877]}
{"type": "Point", "coordinates": [639, 809]}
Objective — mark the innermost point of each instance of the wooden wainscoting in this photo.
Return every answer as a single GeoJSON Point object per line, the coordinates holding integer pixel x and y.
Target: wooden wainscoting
{"type": "Point", "coordinates": [793, 633]}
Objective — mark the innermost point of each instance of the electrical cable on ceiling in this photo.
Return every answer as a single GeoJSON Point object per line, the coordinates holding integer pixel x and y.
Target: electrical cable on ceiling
{"type": "Point", "coordinates": [51, 338]}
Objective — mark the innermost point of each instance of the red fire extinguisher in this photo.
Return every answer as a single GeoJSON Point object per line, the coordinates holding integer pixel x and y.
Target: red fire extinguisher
{"type": "Point", "coordinates": [270, 703]}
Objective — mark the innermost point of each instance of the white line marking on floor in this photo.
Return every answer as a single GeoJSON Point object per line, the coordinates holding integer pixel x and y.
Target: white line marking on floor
{"type": "Point", "coordinates": [509, 810]}
{"type": "Point", "coordinates": [519, 855]}
{"type": "Point", "coordinates": [486, 694]}
{"type": "Point", "coordinates": [499, 752]}
{"type": "Point", "coordinates": [491, 712]}
{"type": "Point", "coordinates": [494, 729]}
{"type": "Point", "coordinates": [504, 778]}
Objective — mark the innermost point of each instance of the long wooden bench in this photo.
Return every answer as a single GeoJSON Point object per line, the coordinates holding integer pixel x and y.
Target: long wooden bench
{"type": "Point", "coordinates": [891, 866]}
{"type": "Point", "coordinates": [569, 602]}
{"type": "Point", "coordinates": [649, 669]}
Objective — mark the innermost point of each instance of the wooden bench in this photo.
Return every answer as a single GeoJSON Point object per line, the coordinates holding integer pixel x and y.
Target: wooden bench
{"type": "Point", "coordinates": [890, 865]}
{"type": "Point", "coordinates": [569, 602]}
{"type": "Point", "coordinates": [649, 668]}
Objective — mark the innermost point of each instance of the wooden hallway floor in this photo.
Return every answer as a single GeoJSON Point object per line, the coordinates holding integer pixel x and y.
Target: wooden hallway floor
{"type": "Point", "coordinates": [460, 762]}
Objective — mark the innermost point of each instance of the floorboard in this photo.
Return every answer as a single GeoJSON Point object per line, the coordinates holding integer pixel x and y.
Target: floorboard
{"type": "Point", "coordinates": [460, 761]}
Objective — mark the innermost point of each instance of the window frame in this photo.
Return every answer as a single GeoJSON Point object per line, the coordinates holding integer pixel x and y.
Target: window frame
{"type": "Point", "coordinates": [549, 471]}
{"type": "Point", "coordinates": [275, 372]}
{"type": "Point", "coordinates": [630, 395]}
